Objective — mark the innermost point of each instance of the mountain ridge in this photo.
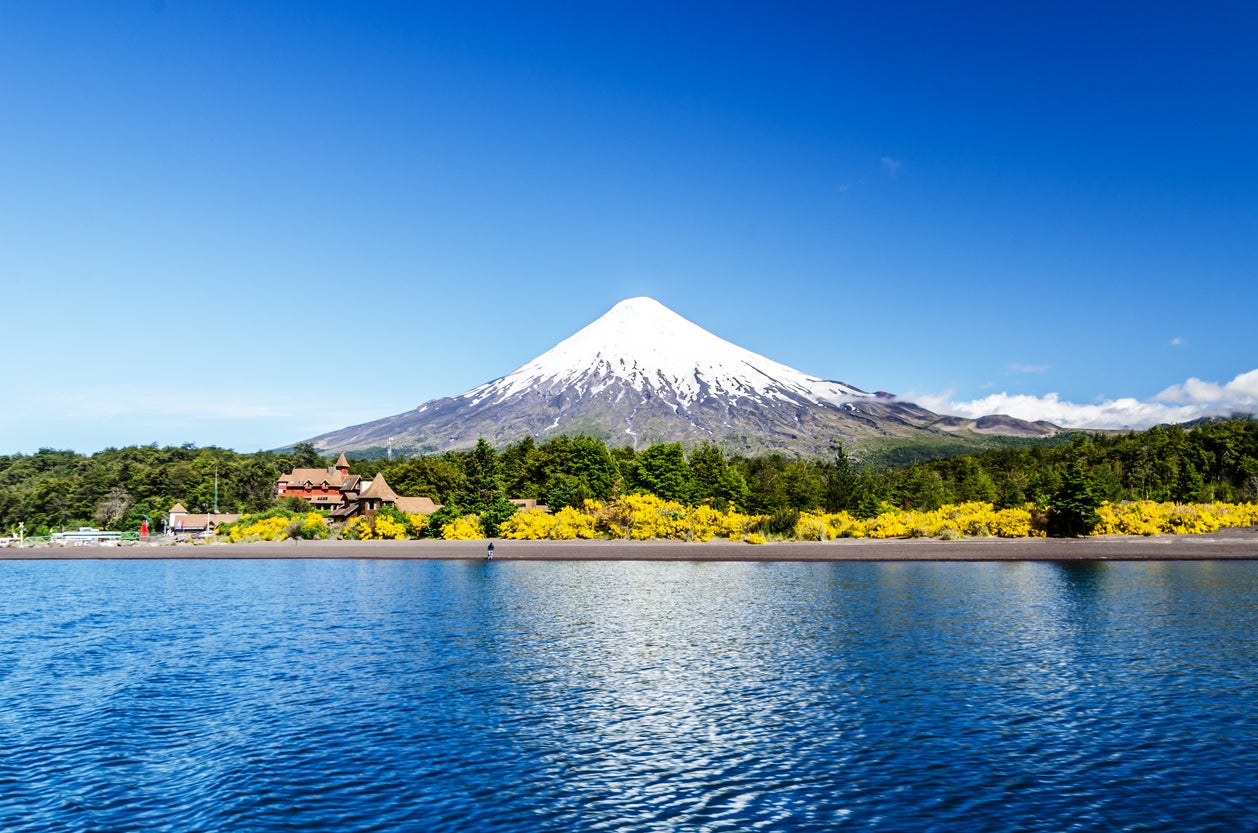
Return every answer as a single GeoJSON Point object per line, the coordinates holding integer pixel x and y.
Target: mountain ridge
{"type": "Point", "coordinates": [642, 374]}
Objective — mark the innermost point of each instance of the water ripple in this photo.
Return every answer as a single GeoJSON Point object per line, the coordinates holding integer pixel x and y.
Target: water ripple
{"type": "Point", "coordinates": [395, 696]}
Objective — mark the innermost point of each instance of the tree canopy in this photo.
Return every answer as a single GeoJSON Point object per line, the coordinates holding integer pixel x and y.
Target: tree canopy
{"type": "Point", "coordinates": [121, 488]}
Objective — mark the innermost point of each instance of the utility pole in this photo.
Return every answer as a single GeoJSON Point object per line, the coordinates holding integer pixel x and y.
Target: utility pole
{"type": "Point", "coordinates": [216, 488]}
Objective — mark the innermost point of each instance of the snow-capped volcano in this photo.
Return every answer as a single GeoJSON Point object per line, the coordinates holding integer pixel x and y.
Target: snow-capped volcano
{"type": "Point", "coordinates": [644, 345]}
{"type": "Point", "coordinates": [642, 374]}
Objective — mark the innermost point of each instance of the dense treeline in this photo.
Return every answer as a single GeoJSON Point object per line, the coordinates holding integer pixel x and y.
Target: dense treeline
{"type": "Point", "coordinates": [120, 488]}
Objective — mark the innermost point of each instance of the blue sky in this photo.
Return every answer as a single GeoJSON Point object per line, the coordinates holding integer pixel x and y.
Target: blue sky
{"type": "Point", "coordinates": [243, 224]}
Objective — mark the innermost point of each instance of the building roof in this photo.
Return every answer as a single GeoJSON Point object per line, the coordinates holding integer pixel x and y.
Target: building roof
{"type": "Point", "coordinates": [313, 476]}
{"type": "Point", "coordinates": [527, 504]}
{"type": "Point", "coordinates": [177, 508]}
{"type": "Point", "coordinates": [417, 505]}
{"type": "Point", "coordinates": [188, 523]}
{"type": "Point", "coordinates": [380, 490]}
{"type": "Point", "coordinates": [341, 462]}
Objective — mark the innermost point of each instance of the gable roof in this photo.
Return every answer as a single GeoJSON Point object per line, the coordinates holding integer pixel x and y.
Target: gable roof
{"type": "Point", "coordinates": [341, 462]}
{"type": "Point", "coordinates": [380, 490]}
{"type": "Point", "coordinates": [417, 505]}
{"type": "Point", "coordinates": [177, 508]}
{"type": "Point", "coordinates": [202, 520]}
{"type": "Point", "coordinates": [332, 478]}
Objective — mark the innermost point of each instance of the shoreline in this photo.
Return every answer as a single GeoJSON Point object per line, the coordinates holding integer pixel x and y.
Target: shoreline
{"type": "Point", "coordinates": [1226, 544]}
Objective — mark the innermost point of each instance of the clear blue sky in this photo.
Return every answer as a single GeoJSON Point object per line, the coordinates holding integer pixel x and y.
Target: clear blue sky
{"type": "Point", "coordinates": [242, 224]}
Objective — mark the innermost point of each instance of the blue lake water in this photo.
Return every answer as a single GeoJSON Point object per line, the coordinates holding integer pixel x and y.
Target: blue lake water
{"type": "Point", "coordinates": [430, 696]}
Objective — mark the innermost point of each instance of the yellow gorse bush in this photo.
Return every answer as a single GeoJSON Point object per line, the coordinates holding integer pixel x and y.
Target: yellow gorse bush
{"type": "Point", "coordinates": [375, 528]}
{"type": "Point", "coordinates": [1146, 517]}
{"type": "Point", "coordinates": [641, 517]}
{"type": "Point", "coordinates": [310, 525]}
{"type": "Point", "coordinates": [637, 517]}
{"type": "Point", "coordinates": [533, 525]}
{"type": "Point", "coordinates": [466, 528]}
{"type": "Point", "coordinates": [313, 525]}
{"type": "Point", "coordinates": [974, 519]}
{"type": "Point", "coordinates": [416, 524]}
{"type": "Point", "coordinates": [571, 523]}
{"type": "Point", "coordinates": [982, 519]}
{"type": "Point", "coordinates": [267, 529]}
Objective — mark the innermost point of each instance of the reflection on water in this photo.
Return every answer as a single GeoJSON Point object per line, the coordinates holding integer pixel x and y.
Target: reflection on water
{"type": "Point", "coordinates": [384, 695]}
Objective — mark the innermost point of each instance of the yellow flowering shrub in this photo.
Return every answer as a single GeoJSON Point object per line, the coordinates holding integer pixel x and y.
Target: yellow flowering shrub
{"type": "Point", "coordinates": [637, 517]}
{"type": "Point", "coordinates": [267, 529]}
{"type": "Point", "coordinates": [356, 527]}
{"type": "Point", "coordinates": [571, 523]}
{"type": "Point", "coordinates": [886, 525]}
{"type": "Point", "coordinates": [416, 524]}
{"type": "Point", "coordinates": [820, 526]}
{"type": "Point", "coordinates": [647, 516]}
{"type": "Point", "coordinates": [977, 519]}
{"type": "Point", "coordinates": [389, 529]}
{"type": "Point", "coordinates": [533, 525]}
{"type": "Point", "coordinates": [1143, 517]}
{"type": "Point", "coordinates": [375, 528]}
{"type": "Point", "coordinates": [1014, 523]}
{"type": "Point", "coordinates": [1147, 517]}
{"type": "Point", "coordinates": [466, 528]}
{"type": "Point", "coordinates": [641, 517]}
{"type": "Point", "coordinates": [953, 521]}
{"type": "Point", "coordinates": [313, 525]}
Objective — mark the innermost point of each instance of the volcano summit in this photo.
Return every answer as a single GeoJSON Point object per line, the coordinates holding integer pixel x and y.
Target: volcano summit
{"type": "Point", "coordinates": [642, 374]}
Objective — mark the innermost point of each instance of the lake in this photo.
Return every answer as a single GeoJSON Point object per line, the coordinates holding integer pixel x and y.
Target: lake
{"type": "Point", "coordinates": [363, 695]}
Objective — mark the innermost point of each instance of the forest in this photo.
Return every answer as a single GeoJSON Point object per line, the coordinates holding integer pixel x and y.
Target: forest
{"type": "Point", "coordinates": [1216, 460]}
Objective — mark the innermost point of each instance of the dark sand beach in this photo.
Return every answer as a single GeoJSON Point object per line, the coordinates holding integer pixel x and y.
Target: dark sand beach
{"type": "Point", "coordinates": [1225, 544]}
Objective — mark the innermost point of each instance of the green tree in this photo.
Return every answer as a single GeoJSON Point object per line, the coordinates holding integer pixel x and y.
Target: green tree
{"type": "Point", "coordinates": [482, 487]}
{"type": "Point", "coordinates": [564, 490]}
{"type": "Point", "coordinates": [662, 470]}
{"type": "Point", "coordinates": [594, 466]}
{"type": "Point", "coordinates": [715, 480]}
{"type": "Point", "coordinates": [492, 516]}
{"type": "Point", "coordinates": [922, 488]}
{"type": "Point", "coordinates": [305, 456]}
{"type": "Point", "coordinates": [1072, 511]}
{"type": "Point", "coordinates": [972, 482]}
{"type": "Point", "coordinates": [804, 485]}
{"type": "Point", "coordinates": [869, 504]}
{"type": "Point", "coordinates": [438, 478]}
{"type": "Point", "coordinates": [578, 467]}
{"type": "Point", "coordinates": [521, 467]}
{"type": "Point", "coordinates": [839, 482]}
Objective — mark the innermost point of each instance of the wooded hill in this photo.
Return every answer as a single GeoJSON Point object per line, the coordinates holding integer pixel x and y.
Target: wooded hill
{"type": "Point", "coordinates": [121, 488]}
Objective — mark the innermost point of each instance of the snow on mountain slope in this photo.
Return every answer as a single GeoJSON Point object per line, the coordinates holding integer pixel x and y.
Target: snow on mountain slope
{"type": "Point", "coordinates": [647, 346]}
{"type": "Point", "coordinates": [642, 374]}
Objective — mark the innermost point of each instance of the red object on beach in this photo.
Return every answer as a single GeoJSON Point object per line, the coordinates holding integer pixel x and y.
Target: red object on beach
{"type": "Point", "coordinates": [144, 529]}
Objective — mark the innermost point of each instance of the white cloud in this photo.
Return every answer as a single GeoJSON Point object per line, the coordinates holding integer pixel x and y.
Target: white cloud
{"type": "Point", "coordinates": [892, 165]}
{"type": "Point", "coordinates": [1243, 390]}
{"type": "Point", "coordinates": [1177, 342]}
{"type": "Point", "coordinates": [1179, 403]}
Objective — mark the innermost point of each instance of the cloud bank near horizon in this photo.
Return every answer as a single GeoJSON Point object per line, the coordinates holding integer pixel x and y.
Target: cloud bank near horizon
{"type": "Point", "coordinates": [1184, 402]}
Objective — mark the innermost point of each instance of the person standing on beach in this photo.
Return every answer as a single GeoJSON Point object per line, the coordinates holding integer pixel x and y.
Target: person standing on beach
{"type": "Point", "coordinates": [489, 553]}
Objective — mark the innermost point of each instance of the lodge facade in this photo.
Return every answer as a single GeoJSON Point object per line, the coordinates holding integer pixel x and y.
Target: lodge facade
{"type": "Point", "coordinates": [180, 520]}
{"type": "Point", "coordinates": [346, 495]}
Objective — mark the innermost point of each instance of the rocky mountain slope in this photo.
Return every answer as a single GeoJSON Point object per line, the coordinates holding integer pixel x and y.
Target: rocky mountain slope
{"type": "Point", "coordinates": [642, 374]}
